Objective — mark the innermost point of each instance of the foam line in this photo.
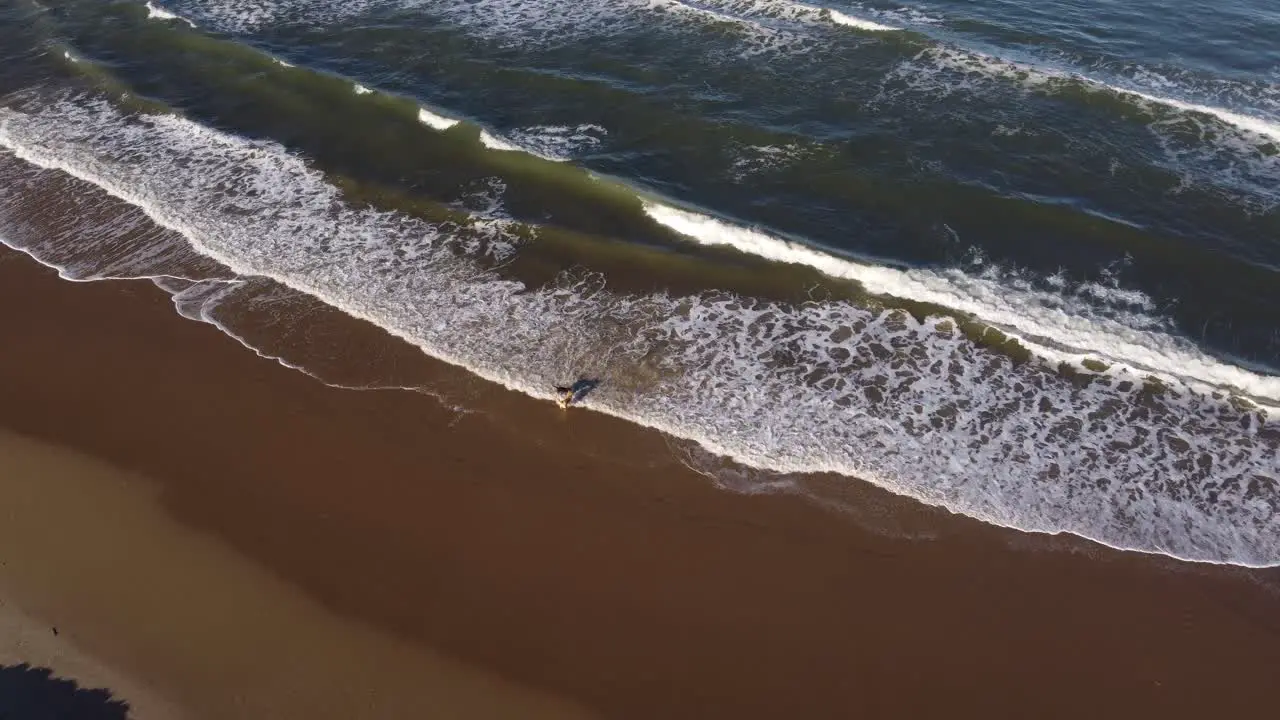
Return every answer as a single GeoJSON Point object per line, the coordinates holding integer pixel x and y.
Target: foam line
{"type": "Point", "coordinates": [1229, 153]}
{"type": "Point", "coordinates": [752, 10]}
{"type": "Point", "coordinates": [840, 18]}
{"type": "Point", "coordinates": [1038, 319]}
{"type": "Point", "coordinates": [1035, 75]}
{"type": "Point", "coordinates": [155, 12]}
{"type": "Point", "coordinates": [559, 143]}
{"type": "Point", "coordinates": [495, 142]}
{"type": "Point", "coordinates": [1259, 126]}
{"type": "Point", "coordinates": [510, 22]}
{"type": "Point", "coordinates": [432, 120]}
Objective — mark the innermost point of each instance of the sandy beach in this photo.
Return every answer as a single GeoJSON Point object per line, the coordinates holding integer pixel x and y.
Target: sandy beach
{"type": "Point", "coordinates": [215, 535]}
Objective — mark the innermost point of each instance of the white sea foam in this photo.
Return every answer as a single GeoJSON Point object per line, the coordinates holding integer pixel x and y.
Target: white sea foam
{"type": "Point", "coordinates": [493, 231]}
{"type": "Point", "coordinates": [841, 19]}
{"type": "Point", "coordinates": [1051, 323]}
{"type": "Point", "coordinates": [155, 12]}
{"type": "Point", "coordinates": [763, 25]}
{"type": "Point", "coordinates": [360, 89]}
{"type": "Point", "coordinates": [510, 22]}
{"type": "Point", "coordinates": [792, 11]}
{"type": "Point", "coordinates": [493, 142]}
{"type": "Point", "coordinates": [86, 233]}
{"type": "Point", "coordinates": [553, 143]}
{"type": "Point", "coordinates": [1037, 75]}
{"type": "Point", "coordinates": [1228, 150]}
{"type": "Point", "coordinates": [753, 160]}
{"type": "Point", "coordinates": [540, 142]}
{"type": "Point", "coordinates": [824, 386]}
{"type": "Point", "coordinates": [432, 120]}
{"type": "Point", "coordinates": [788, 11]}
{"type": "Point", "coordinates": [559, 142]}
{"type": "Point", "coordinates": [1260, 126]}
{"type": "Point", "coordinates": [236, 16]}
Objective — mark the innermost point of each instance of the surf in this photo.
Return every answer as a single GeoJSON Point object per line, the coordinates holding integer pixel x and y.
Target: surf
{"type": "Point", "coordinates": [1054, 326]}
{"type": "Point", "coordinates": [1232, 150]}
{"type": "Point", "coordinates": [155, 12]}
{"type": "Point", "coordinates": [1058, 327]}
{"type": "Point", "coordinates": [1245, 137]}
{"type": "Point", "coordinates": [910, 404]}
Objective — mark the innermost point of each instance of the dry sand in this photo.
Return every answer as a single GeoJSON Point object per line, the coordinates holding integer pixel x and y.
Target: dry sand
{"type": "Point", "coordinates": [215, 531]}
{"type": "Point", "coordinates": [98, 557]}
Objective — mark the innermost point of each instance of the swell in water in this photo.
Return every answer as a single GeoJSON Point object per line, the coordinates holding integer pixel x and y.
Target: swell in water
{"type": "Point", "coordinates": [155, 12]}
{"type": "Point", "coordinates": [912, 406]}
{"type": "Point", "coordinates": [1091, 321]}
{"type": "Point", "coordinates": [1234, 146]}
{"type": "Point", "coordinates": [555, 143]}
{"type": "Point", "coordinates": [1223, 133]}
{"type": "Point", "coordinates": [543, 18]}
{"type": "Point", "coordinates": [1072, 322]}
{"type": "Point", "coordinates": [434, 120]}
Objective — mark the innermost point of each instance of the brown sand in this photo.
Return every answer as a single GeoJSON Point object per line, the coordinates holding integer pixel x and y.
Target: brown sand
{"type": "Point", "coordinates": [120, 586]}
{"type": "Point", "coordinates": [606, 575]}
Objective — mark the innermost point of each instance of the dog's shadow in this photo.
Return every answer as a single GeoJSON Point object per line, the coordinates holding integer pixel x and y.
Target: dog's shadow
{"type": "Point", "coordinates": [579, 389]}
{"type": "Point", "coordinates": [33, 693]}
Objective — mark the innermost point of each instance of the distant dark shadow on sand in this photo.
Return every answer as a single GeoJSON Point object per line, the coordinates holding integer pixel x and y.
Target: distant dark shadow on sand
{"type": "Point", "coordinates": [32, 693]}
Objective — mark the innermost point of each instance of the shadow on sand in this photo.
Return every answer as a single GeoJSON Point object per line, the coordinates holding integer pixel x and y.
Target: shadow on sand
{"type": "Point", "coordinates": [32, 693]}
{"type": "Point", "coordinates": [577, 391]}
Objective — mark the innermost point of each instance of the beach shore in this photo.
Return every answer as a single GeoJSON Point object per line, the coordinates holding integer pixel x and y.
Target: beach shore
{"type": "Point", "coordinates": [216, 535]}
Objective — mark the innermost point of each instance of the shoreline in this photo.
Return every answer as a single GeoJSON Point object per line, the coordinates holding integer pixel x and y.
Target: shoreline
{"type": "Point", "coordinates": [610, 576]}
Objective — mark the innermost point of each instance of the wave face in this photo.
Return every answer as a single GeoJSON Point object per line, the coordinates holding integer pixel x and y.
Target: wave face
{"type": "Point", "coordinates": [1089, 320]}
{"type": "Point", "coordinates": [913, 406]}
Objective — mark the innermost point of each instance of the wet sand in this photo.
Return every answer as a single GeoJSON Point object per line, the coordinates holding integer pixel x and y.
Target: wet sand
{"type": "Point", "coordinates": [240, 540]}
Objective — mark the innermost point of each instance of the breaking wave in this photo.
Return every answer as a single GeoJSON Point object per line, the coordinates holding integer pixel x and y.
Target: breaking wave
{"type": "Point", "coordinates": [1234, 147]}
{"type": "Point", "coordinates": [1093, 321]}
{"type": "Point", "coordinates": [435, 120]}
{"type": "Point", "coordinates": [155, 12]}
{"type": "Point", "coordinates": [559, 142]}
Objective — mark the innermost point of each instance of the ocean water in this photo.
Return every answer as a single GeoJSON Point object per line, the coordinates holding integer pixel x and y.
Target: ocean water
{"type": "Point", "coordinates": [1019, 260]}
